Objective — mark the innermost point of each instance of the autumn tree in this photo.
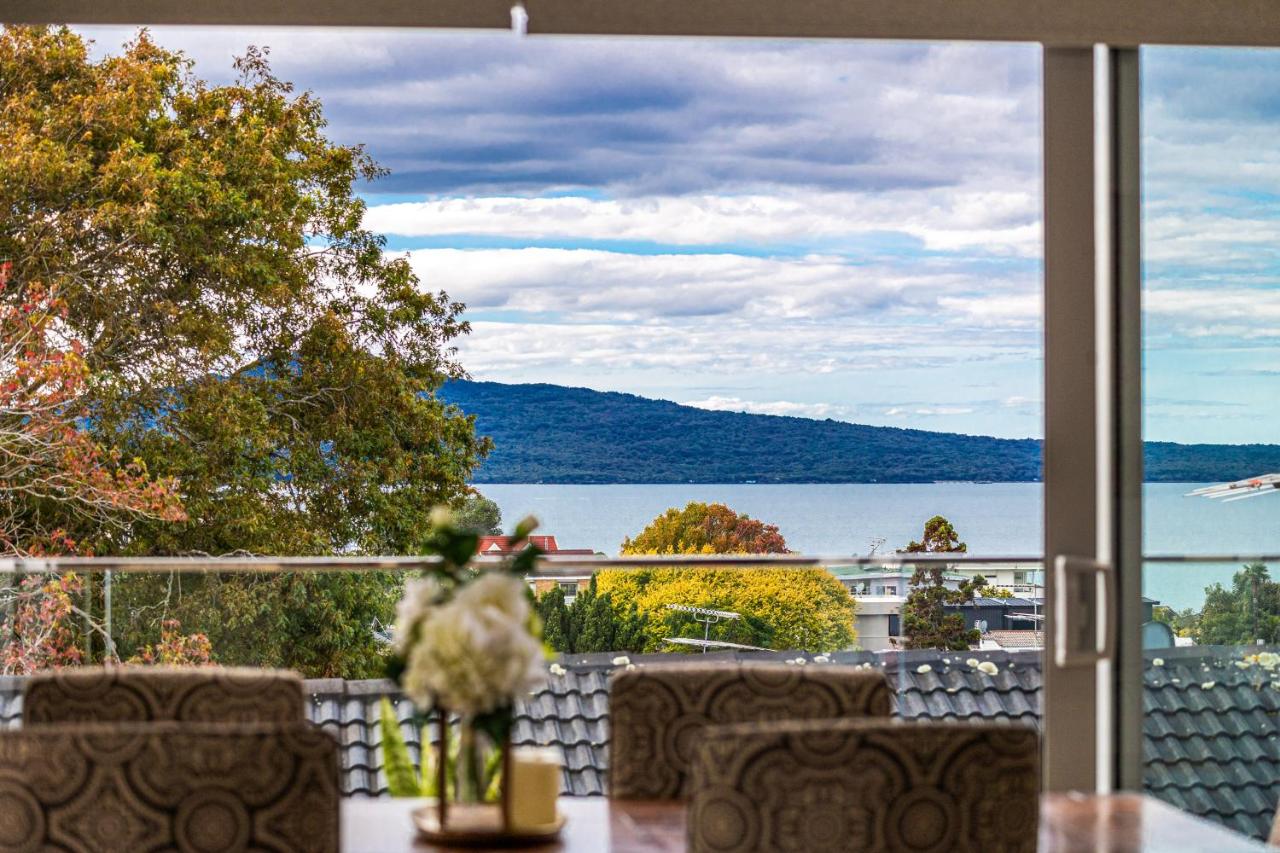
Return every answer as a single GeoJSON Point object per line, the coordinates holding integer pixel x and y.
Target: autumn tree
{"type": "Point", "coordinates": [242, 332]}
{"type": "Point", "coordinates": [803, 609]}
{"type": "Point", "coordinates": [927, 623]}
{"type": "Point", "coordinates": [702, 528]}
{"type": "Point", "coordinates": [176, 648]}
{"type": "Point", "coordinates": [61, 491]}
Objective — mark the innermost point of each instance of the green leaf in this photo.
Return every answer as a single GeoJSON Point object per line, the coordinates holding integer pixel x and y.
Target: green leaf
{"type": "Point", "coordinates": [402, 779]}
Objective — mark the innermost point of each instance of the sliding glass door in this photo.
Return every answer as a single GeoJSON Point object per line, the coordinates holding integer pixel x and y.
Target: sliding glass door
{"type": "Point", "coordinates": [1210, 611]}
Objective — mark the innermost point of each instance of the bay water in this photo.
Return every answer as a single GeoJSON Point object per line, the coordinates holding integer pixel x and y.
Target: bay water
{"type": "Point", "coordinates": [995, 519]}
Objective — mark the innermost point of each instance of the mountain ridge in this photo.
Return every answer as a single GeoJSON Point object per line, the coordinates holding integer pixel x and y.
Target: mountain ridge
{"type": "Point", "coordinates": [546, 433]}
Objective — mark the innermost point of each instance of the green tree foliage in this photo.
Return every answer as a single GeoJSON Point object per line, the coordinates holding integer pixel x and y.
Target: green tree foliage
{"type": "Point", "coordinates": [557, 630]}
{"type": "Point", "coordinates": [317, 623]}
{"type": "Point", "coordinates": [939, 537]}
{"type": "Point", "coordinates": [480, 515]}
{"type": "Point", "coordinates": [802, 609]}
{"type": "Point", "coordinates": [1184, 623]}
{"type": "Point", "coordinates": [926, 622]}
{"type": "Point", "coordinates": [702, 528]}
{"type": "Point", "coordinates": [243, 332]}
{"type": "Point", "coordinates": [1247, 612]}
{"type": "Point", "coordinates": [592, 623]}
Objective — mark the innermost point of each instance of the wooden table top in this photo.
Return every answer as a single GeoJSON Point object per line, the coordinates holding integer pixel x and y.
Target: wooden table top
{"type": "Point", "coordinates": [1119, 823]}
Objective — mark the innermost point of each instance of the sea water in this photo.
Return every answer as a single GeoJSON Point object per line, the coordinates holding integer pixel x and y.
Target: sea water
{"type": "Point", "coordinates": [995, 519]}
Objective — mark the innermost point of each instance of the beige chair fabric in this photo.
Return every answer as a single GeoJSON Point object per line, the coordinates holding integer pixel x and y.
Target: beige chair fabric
{"type": "Point", "coordinates": [657, 712]}
{"type": "Point", "coordinates": [876, 786]}
{"type": "Point", "coordinates": [190, 787]}
{"type": "Point", "coordinates": [185, 694]}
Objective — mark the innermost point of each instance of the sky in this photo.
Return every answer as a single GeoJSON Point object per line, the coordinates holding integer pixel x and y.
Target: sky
{"type": "Point", "coordinates": [845, 230]}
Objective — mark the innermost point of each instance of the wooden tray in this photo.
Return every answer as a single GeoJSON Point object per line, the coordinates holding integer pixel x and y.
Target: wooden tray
{"type": "Point", "coordinates": [479, 825]}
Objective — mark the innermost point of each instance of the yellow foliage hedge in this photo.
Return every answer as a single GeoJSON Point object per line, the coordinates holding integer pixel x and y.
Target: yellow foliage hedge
{"type": "Point", "coordinates": [808, 609]}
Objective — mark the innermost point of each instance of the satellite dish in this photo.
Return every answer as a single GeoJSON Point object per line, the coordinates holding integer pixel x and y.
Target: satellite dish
{"type": "Point", "coordinates": [981, 625]}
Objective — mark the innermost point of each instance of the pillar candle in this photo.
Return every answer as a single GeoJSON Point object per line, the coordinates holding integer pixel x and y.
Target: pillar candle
{"type": "Point", "coordinates": [535, 785]}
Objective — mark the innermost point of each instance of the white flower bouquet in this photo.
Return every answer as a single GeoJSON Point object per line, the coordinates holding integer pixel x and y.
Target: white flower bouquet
{"type": "Point", "coordinates": [467, 642]}
{"type": "Point", "coordinates": [471, 653]}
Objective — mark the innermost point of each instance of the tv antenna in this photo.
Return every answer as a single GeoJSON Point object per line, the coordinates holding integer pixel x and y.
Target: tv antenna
{"type": "Point", "coordinates": [708, 618]}
{"type": "Point", "coordinates": [876, 542]}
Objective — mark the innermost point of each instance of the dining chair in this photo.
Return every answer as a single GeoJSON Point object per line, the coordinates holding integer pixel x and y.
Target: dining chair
{"type": "Point", "coordinates": [147, 693]}
{"type": "Point", "coordinates": [880, 786]}
{"type": "Point", "coordinates": [657, 712]}
{"type": "Point", "coordinates": [190, 787]}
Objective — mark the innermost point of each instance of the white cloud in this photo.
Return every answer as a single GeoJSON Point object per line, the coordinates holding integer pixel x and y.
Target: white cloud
{"type": "Point", "coordinates": [1231, 312]}
{"type": "Point", "coordinates": [928, 411]}
{"type": "Point", "coordinates": [773, 407]}
{"type": "Point", "coordinates": [987, 222]}
{"type": "Point", "coordinates": [697, 350]}
{"type": "Point", "coordinates": [592, 285]}
{"type": "Point", "coordinates": [1011, 310]}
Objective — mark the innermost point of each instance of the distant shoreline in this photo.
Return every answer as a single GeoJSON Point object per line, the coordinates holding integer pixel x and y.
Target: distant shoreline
{"type": "Point", "coordinates": [553, 435]}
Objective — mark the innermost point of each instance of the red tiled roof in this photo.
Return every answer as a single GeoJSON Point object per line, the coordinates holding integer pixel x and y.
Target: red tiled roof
{"type": "Point", "coordinates": [495, 545]}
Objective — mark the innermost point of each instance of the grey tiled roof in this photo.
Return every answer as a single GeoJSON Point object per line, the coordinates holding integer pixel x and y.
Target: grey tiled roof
{"type": "Point", "coordinates": [1211, 728]}
{"type": "Point", "coordinates": [572, 710]}
{"type": "Point", "coordinates": [1211, 739]}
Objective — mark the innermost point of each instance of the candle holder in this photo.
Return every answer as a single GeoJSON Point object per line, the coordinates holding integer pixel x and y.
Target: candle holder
{"type": "Point", "coordinates": [478, 824]}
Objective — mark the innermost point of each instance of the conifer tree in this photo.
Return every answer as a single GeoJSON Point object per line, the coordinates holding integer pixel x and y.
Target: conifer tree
{"type": "Point", "coordinates": [926, 622]}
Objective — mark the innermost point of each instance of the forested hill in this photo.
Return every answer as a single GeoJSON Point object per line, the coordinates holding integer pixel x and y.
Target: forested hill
{"type": "Point", "coordinates": [553, 434]}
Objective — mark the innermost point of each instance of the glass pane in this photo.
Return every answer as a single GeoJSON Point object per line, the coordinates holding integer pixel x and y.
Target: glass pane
{"type": "Point", "coordinates": [1211, 693]}
{"type": "Point", "coordinates": [1211, 233]}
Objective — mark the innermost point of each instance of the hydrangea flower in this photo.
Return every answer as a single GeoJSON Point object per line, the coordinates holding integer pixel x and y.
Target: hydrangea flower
{"type": "Point", "coordinates": [474, 653]}
{"type": "Point", "coordinates": [988, 667]}
{"type": "Point", "coordinates": [923, 668]}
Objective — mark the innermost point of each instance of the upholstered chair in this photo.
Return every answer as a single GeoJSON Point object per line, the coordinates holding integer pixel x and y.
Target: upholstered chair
{"type": "Point", "coordinates": [657, 712]}
{"type": "Point", "coordinates": [183, 694]}
{"type": "Point", "coordinates": [879, 786]}
{"type": "Point", "coordinates": [190, 787]}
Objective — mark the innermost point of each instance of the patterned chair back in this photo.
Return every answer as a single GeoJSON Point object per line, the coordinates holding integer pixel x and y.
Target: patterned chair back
{"type": "Point", "coordinates": [657, 712]}
{"type": "Point", "coordinates": [876, 786]}
{"type": "Point", "coordinates": [125, 787]}
{"type": "Point", "coordinates": [146, 694]}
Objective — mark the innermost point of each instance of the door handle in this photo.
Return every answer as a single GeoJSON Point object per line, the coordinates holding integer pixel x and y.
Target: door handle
{"type": "Point", "coordinates": [1084, 618]}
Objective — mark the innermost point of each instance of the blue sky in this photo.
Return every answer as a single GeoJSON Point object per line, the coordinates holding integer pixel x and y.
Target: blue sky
{"type": "Point", "coordinates": [825, 229]}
